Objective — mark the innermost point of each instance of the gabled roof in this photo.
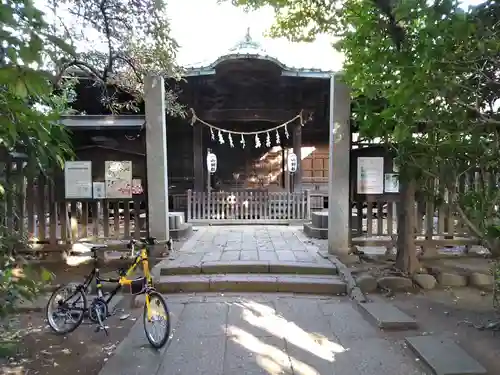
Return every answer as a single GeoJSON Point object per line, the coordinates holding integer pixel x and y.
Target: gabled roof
{"type": "Point", "coordinates": [247, 48]}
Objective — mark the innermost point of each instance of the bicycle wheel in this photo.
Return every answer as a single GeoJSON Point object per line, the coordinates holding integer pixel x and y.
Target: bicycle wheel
{"type": "Point", "coordinates": [66, 305]}
{"type": "Point", "coordinates": [158, 315]}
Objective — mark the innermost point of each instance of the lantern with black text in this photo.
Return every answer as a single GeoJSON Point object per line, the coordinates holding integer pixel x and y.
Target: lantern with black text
{"type": "Point", "coordinates": [292, 163]}
{"type": "Point", "coordinates": [211, 162]}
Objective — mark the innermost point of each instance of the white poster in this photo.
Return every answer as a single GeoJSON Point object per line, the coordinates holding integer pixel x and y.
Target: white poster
{"type": "Point", "coordinates": [99, 189]}
{"type": "Point", "coordinates": [370, 175]}
{"type": "Point", "coordinates": [391, 183]}
{"type": "Point", "coordinates": [118, 179]}
{"type": "Point", "coordinates": [78, 179]}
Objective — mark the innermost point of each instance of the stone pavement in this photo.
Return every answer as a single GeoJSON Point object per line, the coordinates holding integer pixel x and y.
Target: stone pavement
{"type": "Point", "coordinates": [264, 334]}
{"type": "Point", "coordinates": [249, 259]}
{"type": "Point", "coordinates": [249, 243]}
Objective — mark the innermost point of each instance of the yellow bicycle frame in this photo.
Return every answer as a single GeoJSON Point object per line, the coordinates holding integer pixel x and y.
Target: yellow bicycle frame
{"type": "Point", "coordinates": [126, 281]}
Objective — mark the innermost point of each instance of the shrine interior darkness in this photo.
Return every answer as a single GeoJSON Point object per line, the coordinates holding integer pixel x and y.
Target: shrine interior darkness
{"type": "Point", "coordinates": [242, 95]}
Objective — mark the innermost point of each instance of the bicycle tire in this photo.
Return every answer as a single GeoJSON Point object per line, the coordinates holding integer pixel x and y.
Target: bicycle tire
{"type": "Point", "coordinates": [78, 321]}
{"type": "Point", "coordinates": [155, 295]}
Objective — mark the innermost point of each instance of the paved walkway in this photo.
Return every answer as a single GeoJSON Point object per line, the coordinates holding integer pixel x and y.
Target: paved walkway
{"type": "Point", "coordinates": [248, 259]}
{"type": "Point", "coordinates": [264, 334]}
{"type": "Point", "coordinates": [248, 243]}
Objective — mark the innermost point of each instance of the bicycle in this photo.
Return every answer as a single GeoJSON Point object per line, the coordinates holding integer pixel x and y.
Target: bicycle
{"type": "Point", "coordinates": [98, 311]}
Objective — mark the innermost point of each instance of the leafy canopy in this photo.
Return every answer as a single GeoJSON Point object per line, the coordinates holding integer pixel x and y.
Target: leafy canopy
{"type": "Point", "coordinates": [116, 44]}
{"type": "Point", "coordinates": [425, 80]}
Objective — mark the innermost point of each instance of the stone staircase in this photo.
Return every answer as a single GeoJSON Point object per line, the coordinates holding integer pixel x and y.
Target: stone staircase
{"type": "Point", "coordinates": [251, 276]}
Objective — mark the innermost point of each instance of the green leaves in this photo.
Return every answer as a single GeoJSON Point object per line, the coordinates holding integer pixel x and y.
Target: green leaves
{"type": "Point", "coordinates": [29, 122]}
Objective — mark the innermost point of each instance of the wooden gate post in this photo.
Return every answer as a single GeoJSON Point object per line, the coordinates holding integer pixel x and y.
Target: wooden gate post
{"type": "Point", "coordinates": [189, 201]}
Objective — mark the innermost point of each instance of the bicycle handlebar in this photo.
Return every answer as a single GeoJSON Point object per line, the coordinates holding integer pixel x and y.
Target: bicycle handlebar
{"type": "Point", "coordinates": [143, 240]}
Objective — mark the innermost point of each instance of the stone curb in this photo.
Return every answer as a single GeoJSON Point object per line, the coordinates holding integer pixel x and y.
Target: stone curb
{"type": "Point", "coordinates": [253, 267]}
{"type": "Point", "coordinates": [353, 290]}
{"type": "Point", "coordinates": [244, 283]}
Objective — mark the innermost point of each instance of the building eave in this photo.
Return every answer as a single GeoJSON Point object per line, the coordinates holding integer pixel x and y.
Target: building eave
{"type": "Point", "coordinates": [103, 121]}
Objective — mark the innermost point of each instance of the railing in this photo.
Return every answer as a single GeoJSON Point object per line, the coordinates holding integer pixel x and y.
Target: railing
{"type": "Point", "coordinates": [69, 221]}
{"type": "Point", "coordinates": [374, 222]}
{"type": "Point", "coordinates": [35, 207]}
{"type": "Point", "coordinates": [247, 207]}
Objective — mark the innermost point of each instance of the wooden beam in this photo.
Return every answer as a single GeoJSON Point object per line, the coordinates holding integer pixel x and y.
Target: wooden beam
{"type": "Point", "coordinates": [247, 115]}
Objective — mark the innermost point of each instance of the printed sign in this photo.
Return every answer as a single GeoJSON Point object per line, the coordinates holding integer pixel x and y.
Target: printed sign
{"type": "Point", "coordinates": [118, 179]}
{"type": "Point", "coordinates": [370, 175]}
{"type": "Point", "coordinates": [391, 183]}
{"type": "Point", "coordinates": [99, 190]}
{"type": "Point", "coordinates": [78, 179]}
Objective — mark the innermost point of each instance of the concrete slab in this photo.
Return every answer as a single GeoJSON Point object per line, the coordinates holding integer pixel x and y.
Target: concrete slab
{"type": "Point", "coordinates": [179, 269]}
{"type": "Point", "coordinates": [302, 268]}
{"type": "Point", "coordinates": [243, 283]}
{"type": "Point", "coordinates": [313, 284]}
{"type": "Point", "coordinates": [444, 356]}
{"type": "Point", "coordinates": [387, 316]}
{"type": "Point", "coordinates": [239, 266]}
{"type": "Point", "coordinates": [264, 334]}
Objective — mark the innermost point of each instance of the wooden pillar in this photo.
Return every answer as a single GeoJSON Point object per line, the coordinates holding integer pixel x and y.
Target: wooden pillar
{"type": "Point", "coordinates": [297, 150]}
{"type": "Point", "coordinates": [339, 205]}
{"type": "Point", "coordinates": [199, 182]}
{"type": "Point", "coordinates": [283, 167]}
{"type": "Point", "coordinates": [156, 157]}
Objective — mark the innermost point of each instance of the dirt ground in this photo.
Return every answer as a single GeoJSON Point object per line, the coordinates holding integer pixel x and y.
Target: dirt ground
{"type": "Point", "coordinates": [83, 351]}
{"type": "Point", "coordinates": [464, 314]}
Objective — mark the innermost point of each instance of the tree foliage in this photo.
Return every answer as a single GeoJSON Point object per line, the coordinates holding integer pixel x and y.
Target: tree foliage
{"type": "Point", "coordinates": [425, 78]}
{"type": "Point", "coordinates": [116, 44]}
{"type": "Point", "coordinates": [30, 109]}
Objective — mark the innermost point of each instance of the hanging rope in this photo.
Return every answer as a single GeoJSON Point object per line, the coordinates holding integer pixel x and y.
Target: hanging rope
{"type": "Point", "coordinates": [255, 134]}
{"type": "Point", "coordinates": [195, 119]}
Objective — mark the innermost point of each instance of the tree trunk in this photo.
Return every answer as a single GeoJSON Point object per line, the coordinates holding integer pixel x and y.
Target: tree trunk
{"type": "Point", "coordinates": [406, 258]}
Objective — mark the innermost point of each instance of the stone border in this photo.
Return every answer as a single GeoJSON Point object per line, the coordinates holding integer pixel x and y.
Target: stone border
{"type": "Point", "coordinates": [353, 290]}
{"type": "Point", "coordinates": [251, 267]}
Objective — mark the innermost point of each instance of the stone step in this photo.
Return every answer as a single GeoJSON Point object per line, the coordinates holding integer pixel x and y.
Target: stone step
{"type": "Point", "coordinates": [250, 267]}
{"type": "Point", "coordinates": [387, 316]}
{"type": "Point", "coordinates": [444, 356]}
{"type": "Point", "coordinates": [314, 232]}
{"type": "Point", "coordinates": [253, 283]}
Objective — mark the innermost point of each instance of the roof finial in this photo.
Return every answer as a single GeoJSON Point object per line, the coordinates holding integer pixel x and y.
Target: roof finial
{"type": "Point", "coordinates": [248, 37]}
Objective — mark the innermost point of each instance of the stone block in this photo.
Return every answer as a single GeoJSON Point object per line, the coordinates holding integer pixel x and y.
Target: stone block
{"type": "Point", "coordinates": [387, 316]}
{"type": "Point", "coordinates": [444, 356]}
{"type": "Point", "coordinates": [481, 280]}
{"type": "Point", "coordinates": [311, 285]}
{"type": "Point", "coordinates": [396, 283]}
{"type": "Point", "coordinates": [320, 219]}
{"type": "Point", "coordinates": [243, 283]}
{"type": "Point", "coordinates": [451, 279]}
{"type": "Point", "coordinates": [302, 268]}
{"type": "Point", "coordinates": [425, 281]}
{"type": "Point", "coordinates": [239, 266]}
{"type": "Point", "coordinates": [180, 270]}
{"type": "Point", "coordinates": [185, 230]}
{"type": "Point", "coordinates": [313, 232]}
{"type": "Point", "coordinates": [183, 283]}
{"type": "Point", "coordinates": [367, 283]}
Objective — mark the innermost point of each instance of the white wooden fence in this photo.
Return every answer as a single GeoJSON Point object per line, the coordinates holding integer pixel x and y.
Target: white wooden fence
{"type": "Point", "coordinates": [247, 207]}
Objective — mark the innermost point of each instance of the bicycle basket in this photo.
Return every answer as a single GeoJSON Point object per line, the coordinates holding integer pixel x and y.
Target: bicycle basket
{"type": "Point", "coordinates": [138, 285]}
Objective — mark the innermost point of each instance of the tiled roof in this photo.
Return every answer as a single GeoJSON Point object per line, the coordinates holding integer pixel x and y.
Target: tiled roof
{"type": "Point", "coordinates": [248, 48]}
